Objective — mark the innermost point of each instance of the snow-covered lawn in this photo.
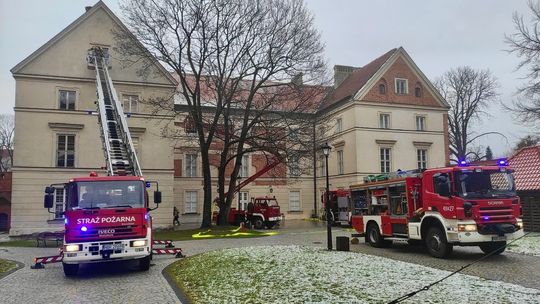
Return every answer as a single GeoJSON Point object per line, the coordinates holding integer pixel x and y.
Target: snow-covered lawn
{"type": "Point", "coordinates": [529, 245]}
{"type": "Point", "coordinates": [295, 274]}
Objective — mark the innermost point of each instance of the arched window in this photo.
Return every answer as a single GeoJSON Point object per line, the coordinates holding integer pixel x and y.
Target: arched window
{"type": "Point", "coordinates": [382, 88]}
{"type": "Point", "coordinates": [418, 92]}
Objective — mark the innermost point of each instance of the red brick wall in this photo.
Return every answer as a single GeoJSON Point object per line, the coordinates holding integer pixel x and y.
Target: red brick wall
{"type": "Point", "coordinates": [5, 196]}
{"type": "Point", "coordinates": [401, 70]}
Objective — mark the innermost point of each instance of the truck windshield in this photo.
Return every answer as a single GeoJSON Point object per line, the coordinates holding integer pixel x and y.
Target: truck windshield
{"type": "Point", "coordinates": [485, 184]}
{"type": "Point", "coordinates": [108, 194]}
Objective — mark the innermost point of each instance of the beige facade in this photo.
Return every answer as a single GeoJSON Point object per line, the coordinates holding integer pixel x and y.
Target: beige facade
{"type": "Point", "coordinates": [44, 125]}
{"type": "Point", "coordinates": [55, 91]}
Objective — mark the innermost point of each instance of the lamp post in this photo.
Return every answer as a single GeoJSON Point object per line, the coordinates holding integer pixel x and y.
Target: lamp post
{"type": "Point", "coordinates": [326, 151]}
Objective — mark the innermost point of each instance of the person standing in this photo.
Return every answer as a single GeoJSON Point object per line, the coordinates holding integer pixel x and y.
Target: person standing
{"type": "Point", "coordinates": [176, 215]}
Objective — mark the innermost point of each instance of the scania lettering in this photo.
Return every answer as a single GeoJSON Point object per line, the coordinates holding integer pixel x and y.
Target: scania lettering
{"type": "Point", "coordinates": [442, 208]}
{"type": "Point", "coordinates": [107, 218]}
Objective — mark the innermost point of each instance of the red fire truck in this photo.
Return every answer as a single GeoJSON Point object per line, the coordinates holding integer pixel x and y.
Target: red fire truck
{"type": "Point", "coordinates": [443, 207]}
{"type": "Point", "coordinates": [107, 218]}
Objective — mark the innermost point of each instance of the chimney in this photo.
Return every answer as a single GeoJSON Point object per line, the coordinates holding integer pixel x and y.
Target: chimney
{"type": "Point", "coordinates": [298, 79]}
{"type": "Point", "coordinates": [87, 8]}
{"type": "Point", "coordinates": [341, 72]}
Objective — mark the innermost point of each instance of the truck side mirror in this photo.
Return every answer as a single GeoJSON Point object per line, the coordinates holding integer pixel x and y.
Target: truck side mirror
{"type": "Point", "coordinates": [49, 190]}
{"type": "Point", "coordinates": [157, 197]}
{"type": "Point", "coordinates": [48, 200]}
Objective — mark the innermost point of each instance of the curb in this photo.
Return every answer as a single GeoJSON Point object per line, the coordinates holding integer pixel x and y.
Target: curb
{"type": "Point", "coordinates": [18, 266]}
{"type": "Point", "coordinates": [177, 290]}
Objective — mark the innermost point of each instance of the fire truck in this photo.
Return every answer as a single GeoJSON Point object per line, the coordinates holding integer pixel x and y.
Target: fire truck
{"type": "Point", "coordinates": [261, 211]}
{"type": "Point", "coordinates": [340, 206]}
{"type": "Point", "coordinates": [441, 208]}
{"type": "Point", "coordinates": [107, 217]}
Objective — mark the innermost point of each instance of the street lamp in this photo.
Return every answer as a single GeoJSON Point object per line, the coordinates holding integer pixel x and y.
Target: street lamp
{"type": "Point", "coordinates": [326, 151]}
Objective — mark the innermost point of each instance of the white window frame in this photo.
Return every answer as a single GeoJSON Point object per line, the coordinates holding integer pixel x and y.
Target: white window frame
{"type": "Point", "coordinates": [59, 203]}
{"type": "Point", "coordinates": [131, 99]}
{"type": "Point", "coordinates": [385, 160]}
{"type": "Point", "coordinates": [66, 135]}
{"type": "Point", "coordinates": [294, 165]}
{"type": "Point", "coordinates": [401, 90]}
{"type": "Point", "coordinates": [322, 159]}
{"type": "Point", "coordinates": [420, 122]}
{"type": "Point", "coordinates": [191, 198]}
{"type": "Point", "coordinates": [244, 167]}
{"type": "Point", "coordinates": [295, 203]}
{"type": "Point", "coordinates": [340, 162]}
{"type": "Point", "coordinates": [190, 168]}
{"type": "Point", "coordinates": [421, 158]}
{"type": "Point", "coordinates": [243, 200]}
{"type": "Point", "coordinates": [339, 125]}
{"type": "Point", "coordinates": [384, 120]}
{"type": "Point", "coordinates": [69, 92]}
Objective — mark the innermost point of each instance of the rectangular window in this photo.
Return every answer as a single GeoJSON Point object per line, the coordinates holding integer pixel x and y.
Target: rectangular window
{"type": "Point", "coordinates": [59, 203]}
{"type": "Point", "coordinates": [420, 123]}
{"type": "Point", "coordinates": [421, 156]}
{"type": "Point", "coordinates": [65, 151]}
{"type": "Point", "coordinates": [339, 125]}
{"type": "Point", "coordinates": [66, 99]}
{"type": "Point", "coordinates": [244, 166]}
{"type": "Point", "coordinates": [294, 165]}
{"type": "Point", "coordinates": [385, 160]}
{"type": "Point", "coordinates": [402, 86]}
{"type": "Point", "coordinates": [384, 121]}
{"type": "Point", "coordinates": [130, 103]}
{"type": "Point", "coordinates": [243, 200]}
{"type": "Point", "coordinates": [322, 160]}
{"type": "Point", "coordinates": [190, 205]}
{"type": "Point", "coordinates": [341, 169]}
{"type": "Point", "coordinates": [191, 165]}
{"type": "Point", "coordinates": [294, 201]}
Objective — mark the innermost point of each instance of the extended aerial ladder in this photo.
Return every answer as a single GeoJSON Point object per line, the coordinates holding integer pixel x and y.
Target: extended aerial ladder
{"type": "Point", "coordinates": [118, 148]}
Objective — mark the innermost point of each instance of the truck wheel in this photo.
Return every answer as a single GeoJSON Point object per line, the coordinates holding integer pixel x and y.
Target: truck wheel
{"type": "Point", "coordinates": [70, 269]}
{"type": "Point", "coordinates": [374, 237]}
{"type": "Point", "coordinates": [270, 225]}
{"type": "Point", "coordinates": [258, 223]}
{"type": "Point", "coordinates": [436, 243]}
{"type": "Point", "coordinates": [144, 263]}
{"type": "Point", "coordinates": [495, 247]}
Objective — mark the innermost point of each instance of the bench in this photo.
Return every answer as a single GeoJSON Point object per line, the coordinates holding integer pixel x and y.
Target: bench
{"type": "Point", "coordinates": [43, 237]}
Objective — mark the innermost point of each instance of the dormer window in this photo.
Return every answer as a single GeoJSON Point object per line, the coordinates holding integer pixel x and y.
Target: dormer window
{"type": "Point", "coordinates": [402, 86]}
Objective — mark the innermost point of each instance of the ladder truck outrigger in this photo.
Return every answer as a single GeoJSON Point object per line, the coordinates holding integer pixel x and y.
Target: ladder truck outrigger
{"type": "Point", "coordinates": [107, 217]}
{"type": "Point", "coordinates": [441, 208]}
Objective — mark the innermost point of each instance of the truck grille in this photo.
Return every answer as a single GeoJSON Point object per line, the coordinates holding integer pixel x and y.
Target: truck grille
{"type": "Point", "coordinates": [116, 231]}
{"type": "Point", "coordinates": [495, 214]}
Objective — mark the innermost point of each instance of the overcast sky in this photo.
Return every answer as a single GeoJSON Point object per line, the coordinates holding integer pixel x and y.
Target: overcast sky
{"type": "Point", "coordinates": [438, 35]}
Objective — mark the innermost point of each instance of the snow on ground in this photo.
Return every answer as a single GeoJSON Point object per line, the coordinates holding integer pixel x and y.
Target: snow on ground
{"type": "Point", "coordinates": [529, 245]}
{"type": "Point", "coordinates": [295, 274]}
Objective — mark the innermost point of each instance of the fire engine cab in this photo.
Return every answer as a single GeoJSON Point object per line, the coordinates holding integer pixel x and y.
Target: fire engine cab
{"type": "Point", "coordinates": [443, 207]}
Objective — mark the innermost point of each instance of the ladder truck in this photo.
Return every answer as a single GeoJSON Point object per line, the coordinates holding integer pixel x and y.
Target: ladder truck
{"type": "Point", "coordinates": [107, 217]}
{"type": "Point", "coordinates": [441, 208]}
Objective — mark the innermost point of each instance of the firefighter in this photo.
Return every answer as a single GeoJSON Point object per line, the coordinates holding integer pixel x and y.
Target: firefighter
{"type": "Point", "coordinates": [176, 215]}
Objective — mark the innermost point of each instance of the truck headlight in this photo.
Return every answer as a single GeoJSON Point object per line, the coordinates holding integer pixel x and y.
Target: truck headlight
{"type": "Point", "coordinates": [71, 248]}
{"type": "Point", "coordinates": [467, 227]}
{"type": "Point", "coordinates": [520, 224]}
{"type": "Point", "coordinates": [140, 243]}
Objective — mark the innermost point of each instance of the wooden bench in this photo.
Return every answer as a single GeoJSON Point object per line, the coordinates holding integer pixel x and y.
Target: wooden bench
{"type": "Point", "coordinates": [43, 237]}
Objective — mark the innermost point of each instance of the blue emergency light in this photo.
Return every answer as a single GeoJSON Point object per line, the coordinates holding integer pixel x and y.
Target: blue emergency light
{"type": "Point", "coordinates": [84, 229]}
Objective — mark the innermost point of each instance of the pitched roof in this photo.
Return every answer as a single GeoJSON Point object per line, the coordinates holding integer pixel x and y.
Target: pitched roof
{"type": "Point", "coordinates": [99, 5]}
{"type": "Point", "coordinates": [356, 80]}
{"type": "Point", "coordinates": [526, 163]}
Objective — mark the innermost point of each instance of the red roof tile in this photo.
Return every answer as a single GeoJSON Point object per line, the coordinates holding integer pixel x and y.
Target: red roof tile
{"type": "Point", "coordinates": [526, 163]}
{"type": "Point", "coordinates": [356, 80]}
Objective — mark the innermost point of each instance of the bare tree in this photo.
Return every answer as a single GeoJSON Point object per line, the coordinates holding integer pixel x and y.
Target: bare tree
{"type": "Point", "coordinates": [234, 60]}
{"type": "Point", "coordinates": [7, 131]}
{"type": "Point", "coordinates": [525, 43]}
{"type": "Point", "coordinates": [469, 93]}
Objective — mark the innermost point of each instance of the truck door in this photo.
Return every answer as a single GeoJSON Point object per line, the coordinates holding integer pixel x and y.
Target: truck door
{"type": "Point", "coordinates": [438, 196]}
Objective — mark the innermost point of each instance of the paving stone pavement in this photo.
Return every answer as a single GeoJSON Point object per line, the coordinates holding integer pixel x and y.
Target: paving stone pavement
{"type": "Point", "coordinates": [123, 282]}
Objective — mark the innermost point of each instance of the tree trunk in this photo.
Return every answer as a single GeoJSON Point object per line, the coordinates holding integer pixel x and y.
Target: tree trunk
{"type": "Point", "coordinates": [207, 186]}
